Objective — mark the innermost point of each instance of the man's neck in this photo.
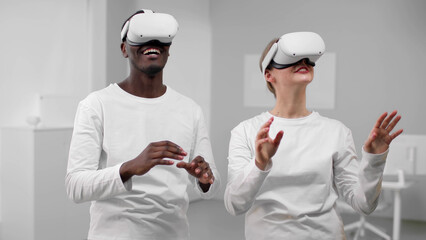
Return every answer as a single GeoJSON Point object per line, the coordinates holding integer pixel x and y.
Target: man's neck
{"type": "Point", "coordinates": [144, 86]}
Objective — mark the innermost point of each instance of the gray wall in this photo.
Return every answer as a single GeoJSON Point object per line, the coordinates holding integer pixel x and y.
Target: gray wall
{"type": "Point", "coordinates": [380, 47]}
{"type": "Point", "coordinates": [117, 12]}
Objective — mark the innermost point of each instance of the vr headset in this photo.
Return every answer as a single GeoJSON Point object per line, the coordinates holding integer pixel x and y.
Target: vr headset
{"type": "Point", "coordinates": [292, 48]}
{"type": "Point", "coordinates": [147, 26]}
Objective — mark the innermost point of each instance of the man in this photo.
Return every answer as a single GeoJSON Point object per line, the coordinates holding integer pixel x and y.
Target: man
{"type": "Point", "coordinates": [127, 138]}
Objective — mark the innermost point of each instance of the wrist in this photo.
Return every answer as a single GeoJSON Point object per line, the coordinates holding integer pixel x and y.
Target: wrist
{"type": "Point", "coordinates": [204, 186]}
{"type": "Point", "coordinates": [374, 151]}
{"type": "Point", "coordinates": [126, 171]}
{"type": "Point", "coordinates": [261, 164]}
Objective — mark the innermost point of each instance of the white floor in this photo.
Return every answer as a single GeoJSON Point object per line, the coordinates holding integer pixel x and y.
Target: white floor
{"type": "Point", "coordinates": [208, 220]}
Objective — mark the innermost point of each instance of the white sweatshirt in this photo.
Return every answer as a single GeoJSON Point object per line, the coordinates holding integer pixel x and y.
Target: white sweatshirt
{"type": "Point", "coordinates": [113, 126]}
{"type": "Point", "coordinates": [294, 198]}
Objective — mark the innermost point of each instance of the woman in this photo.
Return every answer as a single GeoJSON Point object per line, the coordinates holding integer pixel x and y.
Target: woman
{"type": "Point", "coordinates": [288, 185]}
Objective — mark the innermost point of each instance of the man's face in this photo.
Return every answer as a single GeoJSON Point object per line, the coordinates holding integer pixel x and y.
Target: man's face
{"type": "Point", "coordinates": [149, 59]}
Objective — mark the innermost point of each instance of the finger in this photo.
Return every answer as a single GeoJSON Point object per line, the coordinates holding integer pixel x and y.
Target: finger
{"type": "Point", "coordinates": [371, 138]}
{"type": "Point", "coordinates": [278, 138]}
{"type": "Point", "coordinates": [163, 162]}
{"type": "Point", "coordinates": [263, 133]}
{"type": "Point", "coordinates": [207, 178]}
{"type": "Point", "coordinates": [172, 148]}
{"type": "Point", "coordinates": [380, 120]}
{"type": "Point", "coordinates": [206, 167]}
{"type": "Point", "coordinates": [197, 160]}
{"type": "Point", "coordinates": [203, 165]}
{"type": "Point", "coordinates": [202, 168]}
{"type": "Point", "coordinates": [268, 123]}
{"type": "Point", "coordinates": [166, 154]}
{"type": "Point", "coordinates": [194, 164]}
{"type": "Point", "coordinates": [211, 180]}
{"type": "Point", "coordinates": [396, 134]}
{"type": "Point", "coordinates": [260, 142]}
{"type": "Point", "coordinates": [169, 146]}
{"type": "Point", "coordinates": [189, 167]}
{"type": "Point", "coordinates": [388, 119]}
{"type": "Point", "coordinates": [206, 173]}
{"type": "Point", "coordinates": [393, 124]}
{"type": "Point", "coordinates": [183, 165]}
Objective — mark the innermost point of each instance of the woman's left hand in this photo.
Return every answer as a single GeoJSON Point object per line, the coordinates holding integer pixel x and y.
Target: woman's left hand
{"type": "Point", "coordinates": [380, 137]}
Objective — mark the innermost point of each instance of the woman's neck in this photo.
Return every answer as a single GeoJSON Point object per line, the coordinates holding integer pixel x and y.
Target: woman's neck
{"type": "Point", "coordinates": [290, 104]}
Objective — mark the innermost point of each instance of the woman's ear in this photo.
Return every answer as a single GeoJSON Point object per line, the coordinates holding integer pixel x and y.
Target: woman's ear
{"type": "Point", "coordinates": [124, 50]}
{"type": "Point", "coordinates": [268, 76]}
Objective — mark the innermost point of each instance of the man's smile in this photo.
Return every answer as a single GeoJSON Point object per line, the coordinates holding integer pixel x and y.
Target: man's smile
{"type": "Point", "coordinates": [151, 51]}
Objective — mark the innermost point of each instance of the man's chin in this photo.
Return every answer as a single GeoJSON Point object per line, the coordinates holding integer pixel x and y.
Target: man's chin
{"type": "Point", "coordinates": [153, 70]}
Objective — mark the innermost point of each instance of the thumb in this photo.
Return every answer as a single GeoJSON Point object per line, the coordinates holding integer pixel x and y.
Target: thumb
{"type": "Point", "coordinates": [370, 139]}
{"type": "Point", "coordinates": [182, 165]}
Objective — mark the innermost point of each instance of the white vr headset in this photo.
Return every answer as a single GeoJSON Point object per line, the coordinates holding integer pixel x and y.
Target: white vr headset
{"type": "Point", "coordinates": [292, 48]}
{"type": "Point", "coordinates": [145, 26]}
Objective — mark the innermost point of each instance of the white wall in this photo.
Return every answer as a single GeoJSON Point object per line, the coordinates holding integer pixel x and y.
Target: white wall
{"type": "Point", "coordinates": [44, 48]}
{"type": "Point", "coordinates": [44, 52]}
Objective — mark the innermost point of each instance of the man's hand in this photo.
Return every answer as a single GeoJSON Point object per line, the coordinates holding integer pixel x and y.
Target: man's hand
{"type": "Point", "coordinates": [380, 138]}
{"type": "Point", "coordinates": [200, 169]}
{"type": "Point", "coordinates": [153, 155]}
{"type": "Point", "coordinates": [266, 147]}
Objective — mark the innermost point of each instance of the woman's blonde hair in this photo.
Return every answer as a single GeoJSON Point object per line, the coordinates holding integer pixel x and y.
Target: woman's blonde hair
{"type": "Point", "coordinates": [267, 48]}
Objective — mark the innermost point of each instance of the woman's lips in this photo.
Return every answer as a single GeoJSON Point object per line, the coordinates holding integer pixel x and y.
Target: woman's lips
{"type": "Point", "coordinates": [302, 69]}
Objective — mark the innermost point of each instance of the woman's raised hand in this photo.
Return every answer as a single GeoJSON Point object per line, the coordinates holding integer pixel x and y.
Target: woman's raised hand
{"type": "Point", "coordinates": [380, 136]}
{"type": "Point", "coordinates": [266, 147]}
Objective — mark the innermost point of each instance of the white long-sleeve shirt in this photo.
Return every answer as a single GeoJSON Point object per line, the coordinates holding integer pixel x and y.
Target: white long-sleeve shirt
{"type": "Point", "coordinates": [294, 198]}
{"type": "Point", "coordinates": [113, 126]}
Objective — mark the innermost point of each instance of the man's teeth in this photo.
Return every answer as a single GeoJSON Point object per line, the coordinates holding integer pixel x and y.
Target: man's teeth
{"type": "Point", "coordinates": [151, 51]}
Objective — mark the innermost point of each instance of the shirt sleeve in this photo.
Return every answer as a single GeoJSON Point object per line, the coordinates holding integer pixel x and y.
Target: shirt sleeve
{"type": "Point", "coordinates": [244, 177]}
{"type": "Point", "coordinates": [359, 182]}
{"type": "Point", "coordinates": [85, 180]}
{"type": "Point", "coordinates": [202, 147]}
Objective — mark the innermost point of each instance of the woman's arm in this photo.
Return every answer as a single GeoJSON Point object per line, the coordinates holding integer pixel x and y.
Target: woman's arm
{"type": "Point", "coordinates": [248, 167]}
{"type": "Point", "coordinates": [359, 183]}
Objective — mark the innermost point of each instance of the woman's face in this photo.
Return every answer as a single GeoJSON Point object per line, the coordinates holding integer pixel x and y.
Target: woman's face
{"type": "Point", "coordinates": [299, 74]}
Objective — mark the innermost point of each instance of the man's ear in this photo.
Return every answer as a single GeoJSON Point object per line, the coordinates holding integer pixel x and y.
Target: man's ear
{"type": "Point", "coordinates": [124, 50]}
